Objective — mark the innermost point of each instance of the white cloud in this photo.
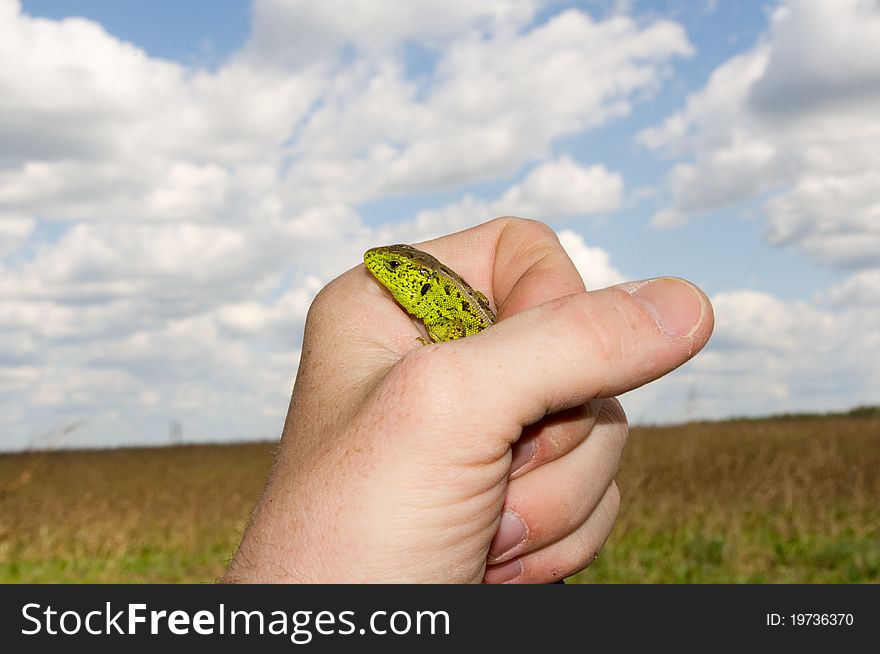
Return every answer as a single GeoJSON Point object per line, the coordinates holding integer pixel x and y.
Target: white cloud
{"type": "Point", "coordinates": [770, 356]}
{"type": "Point", "coordinates": [92, 128]}
{"type": "Point", "coordinates": [564, 188]}
{"type": "Point", "coordinates": [823, 53]}
{"type": "Point", "coordinates": [299, 32]}
{"type": "Point", "coordinates": [835, 219]}
{"type": "Point", "coordinates": [794, 122]}
{"type": "Point", "coordinates": [491, 104]}
{"type": "Point", "coordinates": [860, 290]}
{"type": "Point", "coordinates": [593, 263]}
{"type": "Point", "coordinates": [172, 264]}
{"type": "Point", "coordinates": [14, 231]}
{"type": "Point", "coordinates": [553, 191]}
{"type": "Point", "coordinates": [818, 354]}
{"type": "Point", "coordinates": [281, 319]}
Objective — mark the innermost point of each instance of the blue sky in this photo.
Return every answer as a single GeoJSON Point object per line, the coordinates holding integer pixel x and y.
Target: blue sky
{"type": "Point", "coordinates": [187, 32]}
{"type": "Point", "coordinates": [184, 32]}
{"type": "Point", "coordinates": [663, 141]}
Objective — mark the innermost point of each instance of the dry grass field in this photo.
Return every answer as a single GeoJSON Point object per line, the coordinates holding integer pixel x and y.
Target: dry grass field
{"type": "Point", "coordinates": [779, 500]}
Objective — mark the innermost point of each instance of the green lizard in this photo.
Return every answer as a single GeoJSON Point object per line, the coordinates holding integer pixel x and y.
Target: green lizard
{"type": "Point", "coordinates": [430, 291]}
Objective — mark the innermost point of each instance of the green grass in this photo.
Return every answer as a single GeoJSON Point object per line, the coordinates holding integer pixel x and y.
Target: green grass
{"type": "Point", "coordinates": [775, 501]}
{"type": "Point", "coordinates": [793, 499]}
{"type": "Point", "coordinates": [139, 515]}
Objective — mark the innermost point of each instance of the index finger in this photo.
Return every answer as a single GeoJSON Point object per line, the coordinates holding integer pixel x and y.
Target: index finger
{"type": "Point", "coordinates": [521, 261]}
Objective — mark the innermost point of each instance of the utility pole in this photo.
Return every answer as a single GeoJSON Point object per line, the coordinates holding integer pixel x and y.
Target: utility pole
{"type": "Point", "coordinates": [175, 431]}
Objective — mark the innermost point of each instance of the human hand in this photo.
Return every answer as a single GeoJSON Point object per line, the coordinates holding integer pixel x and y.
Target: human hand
{"type": "Point", "coordinates": [408, 463]}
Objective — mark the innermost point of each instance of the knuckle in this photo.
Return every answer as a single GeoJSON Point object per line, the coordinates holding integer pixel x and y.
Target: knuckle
{"type": "Point", "coordinates": [563, 311]}
{"type": "Point", "coordinates": [326, 302]}
{"type": "Point", "coordinates": [596, 530]}
{"type": "Point", "coordinates": [611, 418]}
{"type": "Point", "coordinates": [591, 535]}
{"type": "Point", "coordinates": [568, 511]}
{"type": "Point", "coordinates": [610, 411]}
{"type": "Point", "coordinates": [600, 338]}
{"type": "Point", "coordinates": [574, 509]}
{"type": "Point", "coordinates": [613, 500]}
{"type": "Point", "coordinates": [581, 548]}
{"type": "Point", "coordinates": [524, 224]}
{"type": "Point", "coordinates": [586, 545]}
{"type": "Point", "coordinates": [528, 229]}
{"type": "Point", "coordinates": [536, 228]}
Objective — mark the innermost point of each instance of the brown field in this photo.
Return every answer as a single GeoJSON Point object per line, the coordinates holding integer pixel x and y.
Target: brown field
{"type": "Point", "coordinates": [777, 500]}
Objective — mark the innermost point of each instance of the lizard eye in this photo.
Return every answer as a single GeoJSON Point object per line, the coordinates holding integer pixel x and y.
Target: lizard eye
{"type": "Point", "coordinates": [392, 263]}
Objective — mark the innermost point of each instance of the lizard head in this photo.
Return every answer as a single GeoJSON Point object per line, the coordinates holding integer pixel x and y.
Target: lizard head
{"type": "Point", "coordinates": [402, 269]}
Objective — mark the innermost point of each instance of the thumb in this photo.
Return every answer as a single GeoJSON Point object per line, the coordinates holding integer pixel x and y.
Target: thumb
{"type": "Point", "coordinates": [570, 350]}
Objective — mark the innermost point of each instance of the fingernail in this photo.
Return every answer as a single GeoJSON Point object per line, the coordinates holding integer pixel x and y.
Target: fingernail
{"type": "Point", "coordinates": [511, 532]}
{"type": "Point", "coordinates": [677, 306]}
{"type": "Point", "coordinates": [498, 574]}
{"type": "Point", "coordinates": [523, 452]}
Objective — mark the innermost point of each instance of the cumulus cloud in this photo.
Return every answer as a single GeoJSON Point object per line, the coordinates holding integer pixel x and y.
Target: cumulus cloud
{"type": "Point", "coordinates": [770, 356]}
{"type": "Point", "coordinates": [490, 105]}
{"type": "Point", "coordinates": [861, 290]}
{"type": "Point", "coordinates": [14, 230]}
{"type": "Point", "coordinates": [564, 188]}
{"type": "Point", "coordinates": [298, 32]}
{"type": "Point", "coordinates": [553, 191]}
{"type": "Point", "coordinates": [816, 354]}
{"type": "Point", "coordinates": [833, 218]}
{"type": "Point", "coordinates": [593, 263]}
{"type": "Point", "coordinates": [163, 228]}
{"type": "Point", "coordinates": [92, 128]}
{"type": "Point", "coordinates": [793, 123]}
{"type": "Point", "coordinates": [823, 53]}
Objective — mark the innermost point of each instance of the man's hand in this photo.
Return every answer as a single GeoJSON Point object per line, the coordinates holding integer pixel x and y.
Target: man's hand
{"type": "Point", "coordinates": [403, 462]}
